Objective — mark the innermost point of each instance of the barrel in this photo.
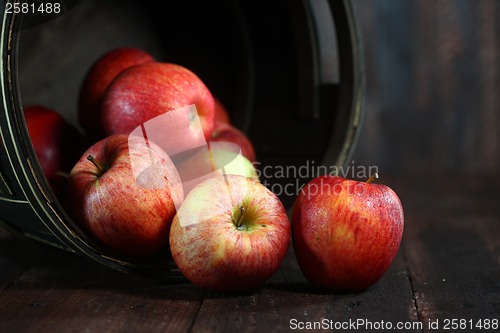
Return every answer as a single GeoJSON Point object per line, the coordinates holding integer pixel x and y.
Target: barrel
{"type": "Point", "coordinates": [290, 73]}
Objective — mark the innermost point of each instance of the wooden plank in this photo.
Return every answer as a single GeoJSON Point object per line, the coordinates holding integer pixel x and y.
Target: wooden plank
{"type": "Point", "coordinates": [454, 267]}
{"type": "Point", "coordinates": [432, 78]}
{"type": "Point", "coordinates": [66, 293]}
{"type": "Point", "coordinates": [288, 300]}
{"type": "Point", "coordinates": [16, 256]}
{"type": "Point", "coordinates": [446, 195]}
{"type": "Point", "coordinates": [452, 245]}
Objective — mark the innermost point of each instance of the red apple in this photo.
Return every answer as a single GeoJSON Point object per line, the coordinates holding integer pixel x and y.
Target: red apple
{"type": "Point", "coordinates": [230, 234]}
{"type": "Point", "coordinates": [144, 92]}
{"type": "Point", "coordinates": [56, 142]}
{"type": "Point", "coordinates": [97, 80]}
{"type": "Point", "coordinates": [124, 192]}
{"type": "Point", "coordinates": [178, 131]}
{"type": "Point", "coordinates": [346, 233]}
{"type": "Point", "coordinates": [225, 132]}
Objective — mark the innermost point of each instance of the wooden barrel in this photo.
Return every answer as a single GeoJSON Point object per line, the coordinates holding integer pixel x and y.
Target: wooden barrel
{"type": "Point", "coordinates": [289, 72]}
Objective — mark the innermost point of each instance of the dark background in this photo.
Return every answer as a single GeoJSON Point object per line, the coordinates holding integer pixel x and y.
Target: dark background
{"type": "Point", "coordinates": [432, 86]}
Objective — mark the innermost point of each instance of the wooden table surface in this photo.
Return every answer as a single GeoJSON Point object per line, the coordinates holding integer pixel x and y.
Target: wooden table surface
{"type": "Point", "coordinates": [448, 268]}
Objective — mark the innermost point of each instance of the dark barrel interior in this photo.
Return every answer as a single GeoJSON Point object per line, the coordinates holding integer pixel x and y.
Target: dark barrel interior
{"type": "Point", "coordinates": [289, 72]}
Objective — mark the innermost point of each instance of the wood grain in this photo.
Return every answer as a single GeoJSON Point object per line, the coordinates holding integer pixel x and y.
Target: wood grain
{"type": "Point", "coordinates": [453, 267]}
{"type": "Point", "coordinates": [432, 83]}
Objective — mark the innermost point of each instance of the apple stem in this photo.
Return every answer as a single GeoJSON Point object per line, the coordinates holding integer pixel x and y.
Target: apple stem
{"type": "Point", "coordinates": [372, 178]}
{"type": "Point", "coordinates": [240, 217]}
{"type": "Point", "coordinates": [98, 165]}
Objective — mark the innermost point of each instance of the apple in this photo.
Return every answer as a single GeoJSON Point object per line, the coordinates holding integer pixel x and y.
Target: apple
{"type": "Point", "coordinates": [57, 143]}
{"type": "Point", "coordinates": [230, 234]}
{"type": "Point", "coordinates": [216, 159]}
{"type": "Point", "coordinates": [225, 132]}
{"type": "Point", "coordinates": [144, 92]}
{"type": "Point", "coordinates": [178, 132]}
{"type": "Point", "coordinates": [124, 192]}
{"type": "Point", "coordinates": [97, 80]}
{"type": "Point", "coordinates": [346, 233]}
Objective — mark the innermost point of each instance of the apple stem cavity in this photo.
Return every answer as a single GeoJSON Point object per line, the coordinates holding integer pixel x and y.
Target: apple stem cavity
{"type": "Point", "coordinates": [240, 217]}
{"type": "Point", "coordinates": [98, 165]}
{"type": "Point", "coordinates": [372, 178]}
